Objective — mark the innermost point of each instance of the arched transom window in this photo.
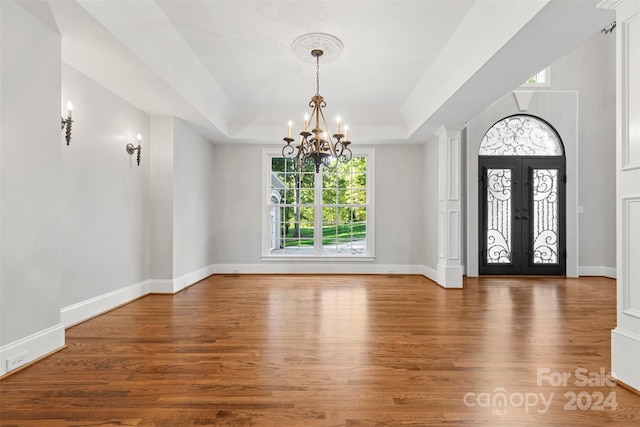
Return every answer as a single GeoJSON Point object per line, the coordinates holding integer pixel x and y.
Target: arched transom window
{"type": "Point", "coordinates": [521, 135]}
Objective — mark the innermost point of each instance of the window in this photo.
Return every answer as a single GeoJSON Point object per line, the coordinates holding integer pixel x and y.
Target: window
{"type": "Point", "coordinates": [521, 135]}
{"type": "Point", "coordinates": [541, 79]}
{"type": "Point", "coordinates": [326, 214]}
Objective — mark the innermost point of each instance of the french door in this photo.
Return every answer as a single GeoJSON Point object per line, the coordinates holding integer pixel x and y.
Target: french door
{"type": "Point", "coordinates": [522, 216]}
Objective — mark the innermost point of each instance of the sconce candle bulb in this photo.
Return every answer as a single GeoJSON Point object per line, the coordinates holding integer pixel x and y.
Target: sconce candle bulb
{"type": "Point", "coordinates": [66, 123]}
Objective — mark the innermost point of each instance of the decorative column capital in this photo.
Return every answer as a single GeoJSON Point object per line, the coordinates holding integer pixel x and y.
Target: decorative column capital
{"type": "Point", "coordinates": [445, 129]}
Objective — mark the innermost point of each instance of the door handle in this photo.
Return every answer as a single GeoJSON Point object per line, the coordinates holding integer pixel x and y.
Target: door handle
{"type": "Point", "coordinates": [525, 217]}
{"type": "Point", "coordinates": [516, 217]}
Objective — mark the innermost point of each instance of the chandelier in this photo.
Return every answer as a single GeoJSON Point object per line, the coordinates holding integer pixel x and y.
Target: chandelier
{"type": "Point", "coordinates": [316, 146]}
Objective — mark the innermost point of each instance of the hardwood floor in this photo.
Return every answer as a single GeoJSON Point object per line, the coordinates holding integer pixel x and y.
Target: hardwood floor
{"type": "Point", "coordinates": [336, 351]}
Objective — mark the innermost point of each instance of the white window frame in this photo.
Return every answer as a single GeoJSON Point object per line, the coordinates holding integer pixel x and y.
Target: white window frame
{"type": "Point", "coordinates": [547, 79]}
{"type": "Point", "coordinates": [267, 155]}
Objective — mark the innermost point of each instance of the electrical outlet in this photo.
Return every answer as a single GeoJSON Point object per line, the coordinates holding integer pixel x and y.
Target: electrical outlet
{"type": "Point", "coordinates": [16, 361]}
{"type": "Point", "coordinates": [234, 271]}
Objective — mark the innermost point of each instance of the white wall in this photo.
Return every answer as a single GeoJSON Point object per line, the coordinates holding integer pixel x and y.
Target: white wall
{"type": "Point", "coordinates": [195, 180]}
{"type": "Point", "coordinates": [105, 203]}
{"type": "Point", "coordinates": [30, 148]}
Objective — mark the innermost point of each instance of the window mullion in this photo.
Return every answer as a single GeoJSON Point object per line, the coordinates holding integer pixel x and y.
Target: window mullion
{"type": "Point", "coordinates": [317, 213]}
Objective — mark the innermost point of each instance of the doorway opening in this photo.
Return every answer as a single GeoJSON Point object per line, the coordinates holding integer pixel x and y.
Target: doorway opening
{"type": "Point", "coordinates": [522, 195]}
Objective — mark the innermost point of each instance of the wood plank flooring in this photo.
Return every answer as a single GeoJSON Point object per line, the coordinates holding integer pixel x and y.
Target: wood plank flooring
{"type": "Point", "coordinates": [336, 351]}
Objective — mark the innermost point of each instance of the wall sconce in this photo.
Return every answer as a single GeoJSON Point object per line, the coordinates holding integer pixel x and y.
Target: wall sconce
{"type": "Point", "coordinates": [609, 28]}
{"type": "Point", "coordinates": [66, 123]}
{"type": "Point", "coordinates": [132, 148]}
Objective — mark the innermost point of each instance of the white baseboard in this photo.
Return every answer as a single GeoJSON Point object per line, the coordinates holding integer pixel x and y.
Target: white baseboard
{"type": "Point", "coordinates": [171, 286]}
{"type": "Point", "coordinates": [430, 273]}
{"type": "Point", "coordinates": [102, 303]}
{"type": "Point", "coordinates": [586, 270]}
{"type": "Point", "coordinates": [161, 286]}
{"type": "Point", "coordinates": [316, 268]}
{"type": "Point", "coordinates": [189, 279]}
{"type": "Point", "coordinates": [32, 347]}
{"type": "Point", "coordinates": [449, 276]}
{"type": "Point", "coordinates": [84, 310]}
{"type": "Point", "coordinates": [325, 268]}
{"type": "Point", "coordinates": [87, 309]}
{"type": "Point", "coordinates": [625, 357]}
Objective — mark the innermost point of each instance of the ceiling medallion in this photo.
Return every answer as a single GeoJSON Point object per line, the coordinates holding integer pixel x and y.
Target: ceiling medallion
{"type": "Point", "coordinates": [330, 46]}
{"type": "Point", "coordinates": [317, 147]}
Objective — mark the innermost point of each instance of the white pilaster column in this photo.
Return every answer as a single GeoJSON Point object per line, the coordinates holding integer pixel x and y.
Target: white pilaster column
{"type": "Point", "coordinates": [450, 206]}
{"type": "Point", "coordinates": [625, 338]}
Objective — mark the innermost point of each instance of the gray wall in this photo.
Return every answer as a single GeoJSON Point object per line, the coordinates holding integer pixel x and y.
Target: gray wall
{"type": "Point", "coordinates": [430, 205]}
{"type": "Point", "coordinates": [105, 209]}
{"type": "Point", "coordinates": [183, 202]}
{"type": "Point", "coordinates": [399, 209]}
{"type": "Point", "coordinates": [590, 69]}
{"type": "Point", "coordinates": [239, 198]}
{"type": "Point", "coordinates": [399, 222]}
{"type": "Point", "coordinates": [161, 197]}
{"type": "Point", "coordinates": [195, 179]}
{"type": "Point", "coordinates": [31, 177]}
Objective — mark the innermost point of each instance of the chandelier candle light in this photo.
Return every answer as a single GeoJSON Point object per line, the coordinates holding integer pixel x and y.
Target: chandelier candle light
{"type": "Point", "coordinates": [316, 146]}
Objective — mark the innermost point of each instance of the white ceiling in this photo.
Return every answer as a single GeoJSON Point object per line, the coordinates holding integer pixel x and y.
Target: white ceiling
{"type": "Point", "coordinates": [407, 67]}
